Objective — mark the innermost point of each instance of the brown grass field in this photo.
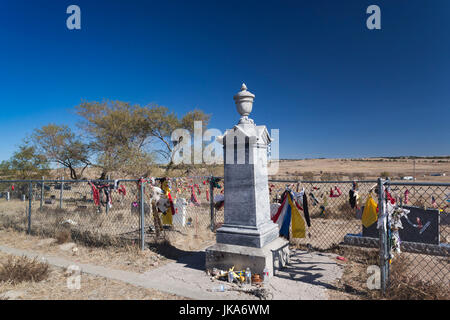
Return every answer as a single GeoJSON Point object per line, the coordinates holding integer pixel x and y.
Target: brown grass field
{"type": "Point", "coordinates": [311, 169]}
{"type": "Point", "coordinates": [362, 169]}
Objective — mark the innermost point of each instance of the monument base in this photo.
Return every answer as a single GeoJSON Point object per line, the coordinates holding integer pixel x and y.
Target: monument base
{"type": "Point", "coordinates": [247, 236]}
{"type": "Point", "coordinates": [274, 256]}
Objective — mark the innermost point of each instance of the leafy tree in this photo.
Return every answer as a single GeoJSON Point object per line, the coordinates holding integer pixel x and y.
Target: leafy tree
{"type": "Point", "coordinates": [131, 138]}
{"type": "Point", "coordinates": [25, 164]}
{"type": "Point", "coordinates": [117, 135]}
{"type": "Point", "coordinates": [58, 144]}
{"type": "Point", "coordinates": [161, 123]}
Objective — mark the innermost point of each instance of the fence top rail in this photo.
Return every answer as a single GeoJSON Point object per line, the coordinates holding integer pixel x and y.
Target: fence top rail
{"type": "Point", "coordinates": [390, 182]}
{"type": "Point", "coordinates": [320, 181]}
{"type": "Point", "coordinates": [94, 180]}
{"type": "Point", "coordinates": [419, 184]}
{"type": "Point", "coordinates": [67, 181]}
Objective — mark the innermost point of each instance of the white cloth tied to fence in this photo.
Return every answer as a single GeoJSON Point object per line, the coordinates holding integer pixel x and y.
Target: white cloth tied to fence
{"type": "Point", "coordinates": [395, 215]}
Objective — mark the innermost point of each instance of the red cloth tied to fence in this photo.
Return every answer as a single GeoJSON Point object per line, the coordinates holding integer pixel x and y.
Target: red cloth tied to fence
{"type": "Point", "coordinates": [390, 198]}
{"type": "Point", "coordinates": [334, 195]}
{"type": "Point", "coordinates": [122, 190]}
{"type": "Point", "coordinates": [171, 203]}
{"type": "Point", "coordinates": [95, 194]}
{"type": "Point", "coordinates": [270, 188]}
{"type": "Point", "coordinates": [193, 196]}
{"type": "Point", "coordinates": [207, 194]}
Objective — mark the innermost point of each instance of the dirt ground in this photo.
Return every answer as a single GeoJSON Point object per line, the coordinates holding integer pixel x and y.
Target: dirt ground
{"type": "Point", "coordinates": [91, 288]}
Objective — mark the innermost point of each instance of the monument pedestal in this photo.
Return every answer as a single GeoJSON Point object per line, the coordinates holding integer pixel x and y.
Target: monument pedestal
{"type": "Point", "coordinates": [272, 256]}
{"type": "Point", "coordinates": [248, 237]}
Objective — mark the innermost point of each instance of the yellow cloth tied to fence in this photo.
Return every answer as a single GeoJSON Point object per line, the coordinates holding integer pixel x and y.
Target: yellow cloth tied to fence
{"type": "Point", "coordinates": [298, 224]}
{"type": "Point", "coordinates": [369, 215]}
{"type": "Point", "coordinates": [167, 216]}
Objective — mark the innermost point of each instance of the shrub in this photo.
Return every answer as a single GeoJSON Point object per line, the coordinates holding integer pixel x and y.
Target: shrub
{"type": "Point", "coordinates": [385, 174]}
{"type": "Point", "coordinates": [326, 176]}
{"type": "Point", "coordinates": [63, 236]}
{"type": "Point", "coordinates": [308, 175]}
{"type": "Point", "coordinates": [17, 270]}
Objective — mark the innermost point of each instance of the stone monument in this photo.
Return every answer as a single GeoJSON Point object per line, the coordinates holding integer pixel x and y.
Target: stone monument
{"type": "Point", "coordinates": [248, 237]}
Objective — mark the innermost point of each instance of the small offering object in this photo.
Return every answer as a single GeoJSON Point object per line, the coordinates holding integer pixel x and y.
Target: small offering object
{"type": "Point", "coordinates": [341, 258]}
{"type": "Point", "coordinates": [256, 278]}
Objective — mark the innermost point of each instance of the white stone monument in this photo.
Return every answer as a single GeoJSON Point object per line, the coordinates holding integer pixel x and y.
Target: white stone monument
{"type": "Point", "coordinates": [248, 237]}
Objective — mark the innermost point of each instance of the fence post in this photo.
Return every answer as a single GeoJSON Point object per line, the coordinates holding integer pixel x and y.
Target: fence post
{"type": "Point", "coordinates": [42, 193]}
{"type": "Point", "coordinates": [30, 196]}
{"type": "Point", "coordinates": [107, 204]}
{"type": "Point", "coordinates": [382, 236]}
{"type": "Point", "coordinates": [387, 248]}
{"type": "Point", "coordinates": [61, 193]}
{"type": "Point", "coordinates": [211, 203]}
{"type": "Point", "coordinates": [142, 215]}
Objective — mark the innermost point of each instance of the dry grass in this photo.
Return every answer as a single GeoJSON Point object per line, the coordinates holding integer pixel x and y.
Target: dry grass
{"type": "Point", "coordinates": [63, 236]}
{"type": "Point", "coordinates": [403, 285]}
{"type": "Point", "coordinates": [21, 269]}
{"type": "Point", "coordinates": [127, 257]}
{"type": "Point", "coordinates": [352, 284]}
{"type": "Point", "coordinates": [54, 287]}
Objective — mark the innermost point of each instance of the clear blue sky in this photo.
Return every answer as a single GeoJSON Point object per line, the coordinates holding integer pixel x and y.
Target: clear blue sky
{"type": "Point", "coordinates": [332, 87]}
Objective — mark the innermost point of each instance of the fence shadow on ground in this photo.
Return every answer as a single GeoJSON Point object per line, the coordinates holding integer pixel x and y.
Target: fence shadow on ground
{"type": "Point", "coordinates": [192, 259]}
{"type": "Point", "coordinates": [308, 268]}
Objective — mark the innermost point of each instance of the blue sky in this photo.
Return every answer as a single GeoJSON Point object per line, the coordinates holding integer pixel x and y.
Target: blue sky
{"type": "Point", "coordinates": [332, 87]}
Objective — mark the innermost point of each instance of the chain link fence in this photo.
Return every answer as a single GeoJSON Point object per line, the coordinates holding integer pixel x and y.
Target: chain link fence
{"type": "Point", "coordinates": [422, 268]}
{"type": "Point", "coordinates": [110, 212]}
{"type": "Point", "coordinates": [422, 265]}
{"type": "Point", "coordinates": [332, 216]}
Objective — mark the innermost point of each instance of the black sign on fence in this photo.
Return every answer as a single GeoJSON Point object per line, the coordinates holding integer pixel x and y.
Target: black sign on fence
{"type": "Point", "coordinates": [421, 225]}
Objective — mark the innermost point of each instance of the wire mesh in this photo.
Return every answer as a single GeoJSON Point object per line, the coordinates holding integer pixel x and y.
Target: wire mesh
{"type": "Point", "coordinates": [426, 272]}
{"type": "Point", "coordinates": [14, 206]}
{"type": "Point", "coordinates": [191, 222]}
{"type": "Point", "coordinates": [109, 212]}
{"type": "Point", "coordinates": [332, 216]}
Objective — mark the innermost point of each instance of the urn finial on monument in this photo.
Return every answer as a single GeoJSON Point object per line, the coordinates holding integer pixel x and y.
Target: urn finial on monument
{"type": "Point", "coordinates": [244, 104]}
